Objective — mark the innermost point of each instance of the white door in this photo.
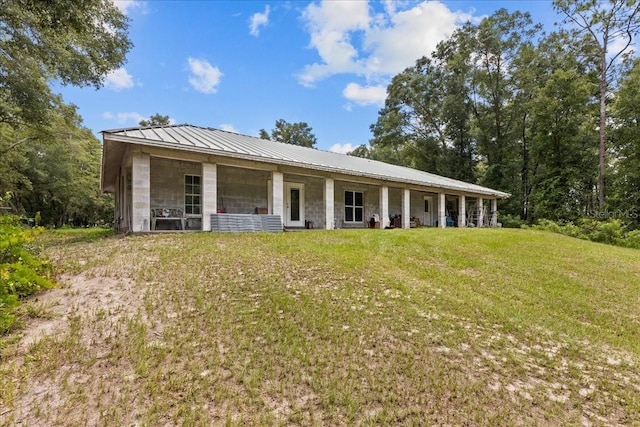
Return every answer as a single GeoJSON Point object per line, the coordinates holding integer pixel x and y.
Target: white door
{"type": "Point", "coordinates": [294, 209]}
{"type": "Point", "coordinates": [428, 216]}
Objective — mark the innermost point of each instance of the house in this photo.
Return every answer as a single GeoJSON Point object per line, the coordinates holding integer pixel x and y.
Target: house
{"type": "Point", "coordinates": [193, 174]}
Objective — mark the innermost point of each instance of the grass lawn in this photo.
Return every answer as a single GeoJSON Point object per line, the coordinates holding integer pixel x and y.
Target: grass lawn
{"type": "Point", "coordinates": [344, 327]}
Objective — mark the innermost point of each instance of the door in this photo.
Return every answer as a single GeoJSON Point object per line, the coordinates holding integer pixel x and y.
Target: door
{"type": "Point", "coordinates": [294, 209]}
{"type": "Point", "coordinates": [428, 216]}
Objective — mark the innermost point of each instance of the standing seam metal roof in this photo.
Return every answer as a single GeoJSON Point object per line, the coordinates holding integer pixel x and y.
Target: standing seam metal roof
{"type": "Point", "coordinates": [224, 143]}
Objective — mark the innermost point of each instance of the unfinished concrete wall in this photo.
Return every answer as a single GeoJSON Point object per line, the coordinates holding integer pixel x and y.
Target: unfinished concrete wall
{"type": "Point", "coordinates": [371, 195]}
{"type": "Point", "coordinates": [140, 192]}
{"type": "Point", "coordinates": [167, 182]}
{"type": "Point", "coordinates": [313, 198]}
{"type": "Point", "coordinates": [395, 201]}
{"type": "Point", "coordinates": [242, 190]}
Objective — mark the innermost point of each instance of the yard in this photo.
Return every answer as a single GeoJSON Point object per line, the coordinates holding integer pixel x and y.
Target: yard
{"type": "Point", "coordinates": [344, 327]}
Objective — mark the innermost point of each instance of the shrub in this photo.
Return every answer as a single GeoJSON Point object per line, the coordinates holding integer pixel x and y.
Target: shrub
{"type": "Point", "coordinates": [510, 221]}
{"type": "Point", "coordinates": [612, 232]}
{"type": "Point", "coordinates": [22, 272]}
{"type": "Point", "coordinates": [633, 239]}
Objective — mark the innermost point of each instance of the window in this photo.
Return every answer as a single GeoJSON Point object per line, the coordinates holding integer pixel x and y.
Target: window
{"type": "Point", "coordinates": [192, 187]}
{"type": "Point", "coordinates": [353, 206]}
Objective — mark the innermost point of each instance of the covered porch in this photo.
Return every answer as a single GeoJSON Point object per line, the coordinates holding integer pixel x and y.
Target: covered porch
{"type": "Point", "coordinates": [195, 188]}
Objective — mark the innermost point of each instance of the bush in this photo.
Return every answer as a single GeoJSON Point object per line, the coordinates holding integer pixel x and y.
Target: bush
{"type": "Point", "coordinates": [510, 221]}
{"type": "Point", "coordinates": [612, 232]}
{"type": "Point", "coordinates": [22, 272]}
{"type": "Point", "coordinates": [633, 239]}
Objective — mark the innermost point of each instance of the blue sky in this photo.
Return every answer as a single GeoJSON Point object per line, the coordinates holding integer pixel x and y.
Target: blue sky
{"type": "Point", "coordinates": [242, 65]}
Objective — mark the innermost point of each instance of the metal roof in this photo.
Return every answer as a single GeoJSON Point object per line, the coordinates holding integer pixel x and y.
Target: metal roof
{"type": "Point", "coordinates": [228, 144]}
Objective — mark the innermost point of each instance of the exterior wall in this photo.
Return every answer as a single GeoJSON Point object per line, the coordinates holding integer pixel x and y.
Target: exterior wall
{"type": "Point", "coordinates": [167, 182]}
{"type": "Point", "coordinates": [313, 198]}
{"type": "Point", "coordinates": [140, 192]}
{"type": "Point", "coordinates": [167, 189]}
{"type": "Point", "coordinates": [209, 194]}
{"type": "Point", "coordinates": [241, 190]}
{"type": "Point", "coordinates": [395, 201]}
{"type": "Point", "coordinates": [371, 200]}
{"type": "Point", "coordinates": [417, 205]}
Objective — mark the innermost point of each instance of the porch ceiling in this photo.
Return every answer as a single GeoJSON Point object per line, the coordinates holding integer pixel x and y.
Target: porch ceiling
{"type": "Point", "coordinates": [228, 144]}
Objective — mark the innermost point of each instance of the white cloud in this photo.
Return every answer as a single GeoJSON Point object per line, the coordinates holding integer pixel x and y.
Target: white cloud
{"type": "Point", "coordinates": [365, 95]}
{"type": "Point", "coordinates": [118, 79]}
{"type": "Point", "coordinates": [126, 6]}
{"type": "Point", "coordinates": [342, 148]}
{"type": "Point", "coordinates": [351, 38]}
{"type": "Point", "coordinates": [204, 77]}
{"type": "Point", "coordinates": [124, 118]}
{"type": "Point", "coordinates": [330, 25]}
{"type": "Point", "coordinates": [229, 127]}
{"type": "Point", "coordinates": [258, 20]}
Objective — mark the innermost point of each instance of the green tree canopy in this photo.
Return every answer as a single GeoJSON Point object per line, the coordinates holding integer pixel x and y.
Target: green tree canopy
{"type": "Point", "coordinates": [75, 42]}
{"type": "Point", "coordinates": [625, 174]}
{"type": "Point", "coordinates": [607, 30]}
{"type": "Point", "coordinates": [504, 105]}
{"type": "Point", "coordinates": [291, 133]}
{"type": "Point", "coordinates": [156, 120]}
{"type": "Point", "coordinates": [57, 173]}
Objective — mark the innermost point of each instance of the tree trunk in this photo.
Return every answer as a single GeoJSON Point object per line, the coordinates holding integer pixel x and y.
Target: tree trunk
{"type": "Point", "coordinates": [603, 127]}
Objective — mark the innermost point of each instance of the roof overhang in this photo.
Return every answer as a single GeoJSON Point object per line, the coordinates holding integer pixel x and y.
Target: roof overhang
{"type": "Point", "coordinates": [115, 146]}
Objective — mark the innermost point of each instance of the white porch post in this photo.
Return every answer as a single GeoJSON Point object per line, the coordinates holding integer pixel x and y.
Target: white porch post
{"type": "Point", "coordinates": [140, 192]}
{"type": "Point", "coordinates": [406, 207]}
{"type": "Point", "coordinates": [209, 193]}
{"type": "Point", "coordinates": [442, 214]}
{"type": "Point", "coordinates": [329, 204]}
{"type": "Point", "coordinates": [494, 212]}
{"type": "Point", "coordinates": [480, 212]}
{"type": "Point", "coordinates": [277, 194]}
{"type": "Point", "coordinates": [462, 212]}
{"type": "Point", "coordinates": [384, 206]}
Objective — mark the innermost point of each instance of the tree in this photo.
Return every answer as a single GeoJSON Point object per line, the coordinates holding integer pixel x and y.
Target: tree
{"type": "Point", "coordinates": [608, 29]}
{"type": "Point", "coordinates": [57, 173]}
{"type": "Point", "coordinates": [264, 134]}
{"type": "Point", "coordinates": [291, 133]}
{"type": "Point", "coordinates": [625, 196]}
{"type": "Point", "coordinates": [156, 120]}
{"type": "Point", "coordinates": [410, 130]}
{"type": "Point", "coordinates": [564, 165]}
{"type": "Point", "coordinates": [75, 42]}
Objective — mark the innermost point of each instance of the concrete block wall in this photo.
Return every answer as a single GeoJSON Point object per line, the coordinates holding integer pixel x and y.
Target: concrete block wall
{"type": "Point", "coordinates": [167, 182]}
{"type": "Point", "coordinates": [313, 198]}
{"type": "Point", "coordinates": [417, 205]}
{"type": "Point", "coordinates": [371, 195]}
{"type": "Point", "coordinates": [395, 201]}
{"type": "Point", "coordinates": [242, 190]}
{"type": "Point", "coordinates": [140, 192]}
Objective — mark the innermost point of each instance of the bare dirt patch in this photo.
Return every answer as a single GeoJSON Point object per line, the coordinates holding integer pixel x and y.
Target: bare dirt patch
{"type": "Point", "coordinates": [80, 295]}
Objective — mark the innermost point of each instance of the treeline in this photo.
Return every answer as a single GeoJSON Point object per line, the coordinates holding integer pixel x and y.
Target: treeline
{"type": "Point", "coordinates": [49, 162]}
{"type": "Point", "coordinates": [51, 175]}
{"type": "Point", "coordinates": [504, 104]}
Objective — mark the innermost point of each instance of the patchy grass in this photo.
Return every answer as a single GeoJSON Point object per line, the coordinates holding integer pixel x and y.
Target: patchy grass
{"type": "Point", "coordinates": [348, 327]}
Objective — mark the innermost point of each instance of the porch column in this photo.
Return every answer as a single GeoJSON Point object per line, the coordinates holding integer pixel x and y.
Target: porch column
{"type": "Point", "coordinates": [384, 206]}
{"type": "Point", "coordinates": [140, 192]}
{"type": "Point", "coordinates": [329, 204]}
{"type": "Point", "coordinates": [494, 212]}
{"type": "Point", "coordinates": [480, 212]}
{"type": "Point", "coordinates": [406, 207]}
{"type": "Point", "coordinates": [277, 194]}
{"type": "Point", "coordinates": [209, 193]}
{"type": "Point", "coordinates": [442, 213]}
{"type": "Point", "coordinates": [462, 212]}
